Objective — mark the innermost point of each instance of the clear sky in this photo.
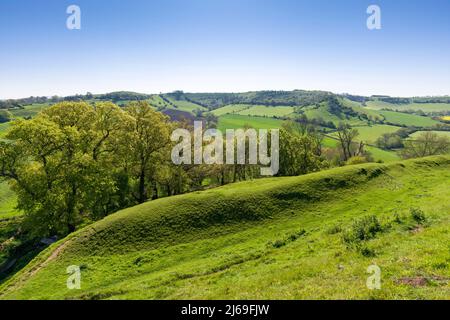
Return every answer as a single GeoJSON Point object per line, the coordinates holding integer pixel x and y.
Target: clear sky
{"type": "Point", "coordinates": [154, 46]}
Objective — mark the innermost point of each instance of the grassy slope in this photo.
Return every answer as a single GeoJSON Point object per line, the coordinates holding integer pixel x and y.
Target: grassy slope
{"type": "Point", "coordinates": [235, 121]}
{"type": "Point", "coordinates": [383, 155]}
{"type": "Point", "coordinates": [373, 114]}
{"type": "Point", "coordinates": [7, 201]}
{"type": "Point", "coordinates": [3, 128]}
{"type": "Point", "coordinates": [372, 133]}
{"type": "Point", "coordinates": [440, 133]}
{"type": "Point", "coordinates": [229, 109]}
{"type": "Point", "coordinates": [408, 119]}
{"type": "Point", "coordinates": [30, 110]}
{"type": "Point", "coordinates": [425, 107]}
{"type": "Point", "coordinates": [186, 105]}
{"type": "Point", "coordinates": [377, 154]}
{"type": "Point", "coordinates": [219, 243]}
{"type": "Point", "coordinates": [265, 111]}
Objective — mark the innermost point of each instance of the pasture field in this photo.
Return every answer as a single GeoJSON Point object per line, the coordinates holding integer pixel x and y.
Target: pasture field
{"type": "Point", "coordinates": [3, 128]}
{"type": "Point", "coordinates": [408, 119]}
{"type": "Point", "coordinates": [440, 133]}
{"type": "Point", "coordinates": [370, 134]}
{"type": "Point", "coordinates": [8, 201]}
{"type": "Point", "coordinates": [322, 112]}
{"type": "Point", "coordinates": [275, 238]}
{"type": "Point", "coordinates": [157, 102]}
{"type": "Point", "coordinates": [425, 107]}
{"type": "Point", "coordinates": [371, 114]}
{"type": "Point", "coordinates": [265, 111]}
{"type": "Point", "coordinates": [377, 153]}
{"type": "Point", "coordinates": [229, 109]}
{"type": "Point", "coordinates": [29, 111]}
{"type": "Point", "coordinates": [235, 121]}
{"type": "Point", "coordinates": [383, 155]}
{"type": "Point", "coordinates": [186, 105]}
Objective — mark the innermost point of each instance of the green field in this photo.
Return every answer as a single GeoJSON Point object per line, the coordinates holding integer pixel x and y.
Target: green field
{"type": "Point", "coordinates": [370, 134]}
{"type": "Point", "coordinates": [371, 114]}
{"type": "Point", "coordinates": [234, 121]}
{"type": "Point", "coordinates": [440, 133]}
{"type": "Point", "coordinates": [265, 111]}
{"type": "Point", "coordinates": [322, 112]}
{"type": "Point", "coordinates": [376, 153]}
{"type": "Point", "coordinates": [383, 155]}
{"type": "Point", "coordinates": [8, 201]}
{"type": "Point", "coordinates": [276, 238]}
{"type": "Point", "coordinates": [408, 119]}
{"type": "Point", "coordinates": [3, 128]}
{"type": "Point", "coordinates": [425, 107]}
{"type": "Point", "coordinates": [29, 111]}
{"type": "Point", "coordinates": [231, 108]}
{"type": "Point", "coordinates": [186, 105]}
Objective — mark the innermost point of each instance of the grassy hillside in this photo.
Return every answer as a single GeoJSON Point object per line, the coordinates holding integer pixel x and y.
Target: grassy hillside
{"type": "Point", "coordinates": [276, 238]}
{"type": "Point", "coordinates": [229, 109]}
{"type": "Point", "coordinates": [185, 105]}
{"type": "Point", "coordinates": [235, 121]}
{"type": "Point", "coordinates": [407, 119]}
{"type": "Point", "coordinates": [440, 133]}
{"type": "Point", "coordinates": [3, 127]}
{"type": "Point", "coordinates": [29, 111]}
{"type": "Point", "coordinates": [370, 134]}
{"type": "Point", "coordinates": [266, 111]}
{"type": "Point", "coordinates": [425, 107]}
{"type": "Point", "coordinates": [8, 201]}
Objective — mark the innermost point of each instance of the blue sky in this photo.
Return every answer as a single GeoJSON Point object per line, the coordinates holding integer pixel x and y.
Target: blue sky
{"type": "Point", "coordinates": [157, 46]}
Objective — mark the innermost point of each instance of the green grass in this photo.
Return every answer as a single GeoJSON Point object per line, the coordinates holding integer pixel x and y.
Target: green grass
{"type": "Point", "coordinates": [186, 105]}
{"type": "Point", "coordinates": [276, 238]}
{"type": "Point", "coordinates": [440, 133]}
{"type": "Point", "coordinates": [372, 133]}
{"type": "Point", "coordinates": [322, 112]}
{"type": "Point", "coordinates": [3, 128]}
{"type": "Point", "coordinates": [383, 155]}
{"type": "Point", "coordinates": [29, 111]}
{"type": "Point", "coordinates": [425, 107]}
{"type": "Point", "coordinates": [157, 102]}
{"type": "Point", "coordinates": [371, 114]}
{"type": "Point", "coordinates": [229, 109]}
{"type": "Point", "coordinates": [377, 153]}
{"type": "Point", "coordinates": [408, 119]}
{"type": "Point", "coordinates": [8, 201]}
{"type": "Point", "coordinates": [234, 121]}
{"type": "Point", "coordinates": [265, 111]}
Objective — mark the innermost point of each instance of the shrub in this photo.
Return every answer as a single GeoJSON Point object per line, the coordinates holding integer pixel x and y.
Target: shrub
{"type": "Point", "coordinates": [356, 160]}
{"type": "Point", "coordinates": [362, 230]}
{"type": "Point", "coordinates": [367, 252]}
{"type": "Point", "coordinates": [334, 229]}
{"type": "Point", "coordinates": [289, 238]}
{"type": "Point", "coordinates": [418, 215]}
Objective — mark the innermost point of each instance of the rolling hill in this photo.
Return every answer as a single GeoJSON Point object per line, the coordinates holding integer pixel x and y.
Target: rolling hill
{"type": "Point", "coordinates": [275, 238]}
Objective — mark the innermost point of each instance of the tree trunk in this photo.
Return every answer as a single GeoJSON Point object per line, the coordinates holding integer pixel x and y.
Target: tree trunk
{"type": "Point", "coordinates": [142, 193]}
